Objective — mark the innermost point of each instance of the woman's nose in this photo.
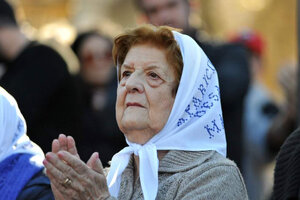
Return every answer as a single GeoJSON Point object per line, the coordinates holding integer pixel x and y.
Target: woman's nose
{"type": "Point", "coordinates": [134, 83]}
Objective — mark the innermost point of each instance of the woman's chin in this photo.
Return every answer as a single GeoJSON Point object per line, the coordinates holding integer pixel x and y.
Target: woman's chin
{"type": "Point", "coordinates": [133, 124]}
{"type": "Point", "coordinates": [138, 135]}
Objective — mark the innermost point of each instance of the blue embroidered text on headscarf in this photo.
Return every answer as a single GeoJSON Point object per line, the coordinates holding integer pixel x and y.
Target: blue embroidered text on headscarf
{"type": "Point", "coordinates": [200, 106]}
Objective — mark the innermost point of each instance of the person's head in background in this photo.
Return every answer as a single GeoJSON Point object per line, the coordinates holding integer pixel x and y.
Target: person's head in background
{"type": "Point", "coordinates": [13, 129]}
{"type": "Point", "coordinates": [94, 53]}
{"type": "Point", "coordinates": [7, 16]}
{"type": "Point", "coordinates": [174, 13]}
{"type": "Point", "coordinates": [20, 159]}
{"type": "Point", "coordinates": [12, 40]}
{"type": "Point", "coordinates": [255, 45]}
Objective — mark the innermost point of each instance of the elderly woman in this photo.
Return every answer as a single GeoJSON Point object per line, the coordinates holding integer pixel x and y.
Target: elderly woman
{"type": "Point", "coordinates": [168, 107]}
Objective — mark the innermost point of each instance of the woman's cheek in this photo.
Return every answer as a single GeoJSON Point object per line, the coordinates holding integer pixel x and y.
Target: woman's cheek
{"type": "Point", "coordinates": [121, 87]}
{"type": "Point", "coordinates": [121, 96]}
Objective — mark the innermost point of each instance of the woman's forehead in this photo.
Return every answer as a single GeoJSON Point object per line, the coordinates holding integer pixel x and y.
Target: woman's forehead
{"type": "Point", "coordinates": [146, 55]}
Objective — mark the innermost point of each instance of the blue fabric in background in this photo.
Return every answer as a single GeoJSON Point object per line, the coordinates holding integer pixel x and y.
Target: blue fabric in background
{"type": "Point", "coordinates": [15, 172]}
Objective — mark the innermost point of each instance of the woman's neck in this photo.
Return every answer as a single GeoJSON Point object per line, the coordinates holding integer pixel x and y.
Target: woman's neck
{"type": "Point", "coordinates": [160, 155]}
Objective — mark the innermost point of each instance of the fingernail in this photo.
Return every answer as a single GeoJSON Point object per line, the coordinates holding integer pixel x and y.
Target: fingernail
{"type": "Point", "coordinates": [45, 162]}
{"type": "Point", "coordinates": [61, 154]}
{"type": "Point", "coordinates": [49, 155]}
{"type": "Point", "coordinates": [70, 137]}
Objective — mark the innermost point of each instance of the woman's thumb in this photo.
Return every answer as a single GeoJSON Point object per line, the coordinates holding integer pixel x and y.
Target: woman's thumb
{"type": "Point", "coordinates": [95, 163]}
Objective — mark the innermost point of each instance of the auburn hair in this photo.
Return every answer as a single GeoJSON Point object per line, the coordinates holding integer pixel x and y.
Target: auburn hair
{"type": "Point", "coordinates": [157, 36]}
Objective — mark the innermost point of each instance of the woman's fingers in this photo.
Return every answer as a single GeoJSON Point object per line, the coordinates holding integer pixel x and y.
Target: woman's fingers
{"type": "Point", "coordinates": [55, 146]}
{"type": "Point", "coordinates": [56, 187]}
{"type": "Point", "coordinates": [73, 161]}
{"type": "Point", "coordinates": [98, 177]}
{"type": "Point", "coordinates": [63, 142]}
{"type": "Point", "coordinates": [95, 163]}
{"type": "Point", "coordinates": [72, 146]}
{"type": "Point", "coordinates": [88, 181]}
{"type": "Point", "coordinates": [61, 191]}
{"type": "Point", "coordinates": [98, 167]}
{"type": "Point", "coordinates": [92, 159]}
{"type": "Point", "coordinates": [64, 177]}
{"type": "Point", "coordinates": [59, 168]}
{"type": "Point", "coordinates": [57, 194]}
{"type": "Point", "coordinates": [66, 143]}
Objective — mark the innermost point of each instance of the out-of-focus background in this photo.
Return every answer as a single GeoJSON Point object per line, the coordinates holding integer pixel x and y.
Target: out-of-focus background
{"type": "Point", "coordinates": [58, 22]}
{"type": "Point", "coordinates": [61, 20]}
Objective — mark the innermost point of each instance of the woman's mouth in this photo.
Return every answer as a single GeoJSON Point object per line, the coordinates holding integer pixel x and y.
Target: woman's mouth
{"type": "Point", "coordinates": [129, 104]}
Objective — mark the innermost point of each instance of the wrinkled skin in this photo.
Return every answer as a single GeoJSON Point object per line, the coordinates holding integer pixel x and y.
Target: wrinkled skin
{"type": "Point", "coordinates": [88, 180]}
{"type": "Point", "coordinates": [144, 95]}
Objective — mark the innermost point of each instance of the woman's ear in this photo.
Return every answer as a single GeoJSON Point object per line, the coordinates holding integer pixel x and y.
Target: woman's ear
{"type": "Point", "coordinates": [174, 89]}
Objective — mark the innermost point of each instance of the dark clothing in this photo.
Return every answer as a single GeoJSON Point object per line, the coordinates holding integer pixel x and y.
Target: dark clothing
{"type": "Point", "coordinates": [287, 169]}
{"type": "Point", "coordinates": [40, 82]}
{"type": "Point", "coordinates": [100, 132]}
{"type": "Point", "coordinates": [232, 64]}
{"type": "Point", "coordinates": [38, 188]}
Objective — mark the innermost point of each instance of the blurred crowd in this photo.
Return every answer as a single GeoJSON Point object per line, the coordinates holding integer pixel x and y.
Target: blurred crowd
{"type": "Point", "coordinates": [54, 101]}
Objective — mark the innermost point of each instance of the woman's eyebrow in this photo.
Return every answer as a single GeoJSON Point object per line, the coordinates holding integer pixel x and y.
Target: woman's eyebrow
{"type": "Point", "coordinates": [126, 66]}
{"type": "Point", "coordinates": [151, 67]}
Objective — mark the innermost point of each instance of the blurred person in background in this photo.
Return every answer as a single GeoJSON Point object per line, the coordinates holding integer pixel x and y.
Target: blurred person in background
{"type": "Point", "coordinates": [283, 138]}
{"type": "Point", "coordinates": [38, 78]}
{"type": "Point", "coordinates": [98, 83]}
{"type": "Point", "coordinates": [286, 120]}
{"type": "Point", "coordinates": [21, 168]}
{"type": "Point", "coordinates": [259, 114]}
{"type": "Point", "coordinates": [230, 60]}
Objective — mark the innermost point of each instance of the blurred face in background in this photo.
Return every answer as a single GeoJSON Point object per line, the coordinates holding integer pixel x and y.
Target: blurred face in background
{"type": "Point", "coordinates": [174, 13]}
{"type": "Point", "coordinates": [96, 61]}
{"type": "Point", "coordinates": [3, 56]}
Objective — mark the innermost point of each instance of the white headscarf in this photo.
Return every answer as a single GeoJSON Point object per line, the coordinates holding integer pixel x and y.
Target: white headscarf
{"type": "Point", "coordinates": [13, 138]}
{"type": "Point", "coordinates": [195, 122]}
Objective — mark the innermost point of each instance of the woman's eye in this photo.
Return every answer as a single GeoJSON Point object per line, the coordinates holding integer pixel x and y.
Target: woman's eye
{"type": "Point", "coordinates": [153, 75]}
{"type": "Point", "coordinates": [126, 74]}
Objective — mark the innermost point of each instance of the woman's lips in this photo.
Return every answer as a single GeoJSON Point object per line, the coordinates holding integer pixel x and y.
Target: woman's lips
{"type": "Point", "coordinates": [134, 104]}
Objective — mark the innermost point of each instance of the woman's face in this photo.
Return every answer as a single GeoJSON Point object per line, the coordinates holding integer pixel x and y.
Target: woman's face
{"type": "Point", "coordinates": [144, 98]}
{"type": "Point", "coordinates": [96, 61]}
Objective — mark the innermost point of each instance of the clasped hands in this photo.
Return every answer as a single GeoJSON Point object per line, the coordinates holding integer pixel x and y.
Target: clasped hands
{"type": "Point", "coordinates": [70, 177]}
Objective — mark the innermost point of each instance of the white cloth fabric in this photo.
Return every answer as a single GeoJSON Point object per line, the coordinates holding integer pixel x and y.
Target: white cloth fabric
{"type": "Point", "coordinates": [13, 138]}
{"type": "Point", "coordinates": [195, 122]}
